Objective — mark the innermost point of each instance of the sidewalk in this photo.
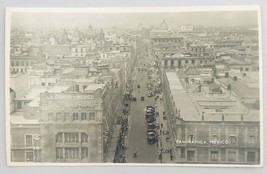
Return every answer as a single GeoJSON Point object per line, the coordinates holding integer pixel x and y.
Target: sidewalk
{"type": "Point", "coordinates": [165, 138]}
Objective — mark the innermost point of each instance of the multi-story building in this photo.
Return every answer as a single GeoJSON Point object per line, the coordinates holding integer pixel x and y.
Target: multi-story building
{"type": "Point", "coordinates": [194, 55]}
{"type": "Point", "coordinates": [21, 59]}
{"type": "Point", "coordinates": [80, 51]}
{"type": "Point", "coordinates": [165, 38]}
{"type": "Point", "coordinates": [187, 28]}
{"type": "Point", "coordinates": [211, 128]}
{"type": "Point", "coordinates": [71, 124]}
{"type": "Point", "coordinates": [227, 43]}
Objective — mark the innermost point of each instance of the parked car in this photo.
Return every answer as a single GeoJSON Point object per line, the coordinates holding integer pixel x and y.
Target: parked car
{"type": "Point", "coordinates": [150, 111]}
{"type": "Point", "coordinates": [151, 127]}
{"type": "Point", "coordinates": [152, 137]}
{"type": "Point", "coordinates": [149, 114]}
{"type": "Point", "coordinates": [151, 119]}
{"type": "Point", "coordinates": [153, 131]}
{"type": "Point", "coordinates": [150, 108]}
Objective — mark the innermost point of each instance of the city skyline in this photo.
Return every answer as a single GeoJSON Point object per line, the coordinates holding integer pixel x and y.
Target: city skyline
{"type": "Point", "coordinates": [50, 20]}
{"type": "Point", "coordinates": [185, 91]}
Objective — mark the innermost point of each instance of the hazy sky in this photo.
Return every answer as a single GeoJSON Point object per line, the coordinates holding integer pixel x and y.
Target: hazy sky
{"type": "Point", "coordinates": [131, 20]}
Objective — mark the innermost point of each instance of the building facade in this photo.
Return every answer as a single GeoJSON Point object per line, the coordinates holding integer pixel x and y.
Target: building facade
{"type": "Point", "coordinates": [209, 133]}
{"type": "Point", "coordinates": [71, 127]}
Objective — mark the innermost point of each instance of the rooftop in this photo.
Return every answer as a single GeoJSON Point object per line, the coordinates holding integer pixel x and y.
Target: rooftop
{"type": "Point", "coordinates": [192, 105]}
{"type": "Point", "coordinates": [174, 81]}
{"type": "Point", "coordinates": [181, 99]}
{"type": "Point", "coordinates": [241, 89]}
{"type": "Point", "coordinates": [18, 118]}
{"type": "Point", "coordinates": [59, 89]}
{"type": "Point", "coordinates": [94, 87]}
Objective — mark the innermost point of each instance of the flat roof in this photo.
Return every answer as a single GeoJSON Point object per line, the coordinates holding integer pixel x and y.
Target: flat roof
{"type": "Point", "coordinates": [87, 80]}
{"type": "Point", "coordinates": [94, 87]}
{"type": "Point", "coordinates": [18, 118]}
{"type": "Point", "coordinates": [35, 102]}
{"type": "Point", "coordinates": [59, 89]}
{"type": "Point", "coordinates": [68, 70]}
{"type": "Point", "coordinates": [241, 89]}
{"type": "Point", "coordinates": [33, 94]}
{"type": "Point", "coordinates": [181, 99]}
{"type": "Point", "coordinates": [188, 106]}
{"type": "Point", "coordinates": [174, 81]}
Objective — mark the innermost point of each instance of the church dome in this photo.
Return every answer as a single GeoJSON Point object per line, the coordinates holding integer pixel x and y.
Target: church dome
{"type": "Point", "coordinates": [163, 25]}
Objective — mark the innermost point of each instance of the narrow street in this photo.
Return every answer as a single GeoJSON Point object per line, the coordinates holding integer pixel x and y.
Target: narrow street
{"type": "Point", "coordinates": [137, 140]}
{"type": "Point", "coordinates": [145, 91]}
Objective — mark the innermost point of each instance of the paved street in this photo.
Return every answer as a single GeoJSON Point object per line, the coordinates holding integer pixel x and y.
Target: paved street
{"type": "Point", "coordinates": [137, 140]}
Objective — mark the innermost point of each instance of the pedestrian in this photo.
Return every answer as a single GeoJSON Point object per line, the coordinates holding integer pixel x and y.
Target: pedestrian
{"type": "Point", "coordinates": [135, 154]}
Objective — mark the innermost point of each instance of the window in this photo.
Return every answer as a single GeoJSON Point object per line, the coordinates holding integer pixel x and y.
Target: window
{"type": "Point", "coordinates": [193, 61]}
{"type": "Point", "coordinates": [251, 157]}
{"type": "Point", "coordinates": [75, 116]}
{"type": "Point", "coordinates": [77, 88]}
{"type": "Point", "coordinates": [84, 137]}
{"type": "Point", "coordinates": [231, 156]}
{"type": "Point", "coordinates": [172, 62]}
{"type": "Point", "coordinates": [251, 139]}
{"type": "Point", "coordinates": [190, 155]}
{"type": "Point", "coordinates": [19, 105]}
{"type": "Point", "coordinates": [72, 153]}
{"type": "Point", "coordinates": [29, 156]}
{"type": "Point", "coordinates": [165, 62]}
{"type": "Point", "coordinates": [84, 153]}
{"type": "Point", "coordinates": [58, 116]}
{"type": "Point", "coordinates": [22, 63]}
{"type": "Point", "coordinates": [27, 63]}
{"type": "Point", "coordinates": [12, 63]}
{"type": "Point", "coordinates": [17, 63]}
{"type": "Point", "coordinates": [214, 137]}
{"type": "Point", "coordinates": [59, 153]}
{"type": "Point", "coordinates": [92, 116]}
{"type": "Point", "coordinates": [50, 116]}
{"type": "Point", "coordinates": [12, 156]}
{"type": "Point", "coordinates": [66, 116]}
{"type": "Point", "coordinates": [28, 140]}
{"type": "Point", "coordinates": [232, 139]}
{"type": "Point", "coordinates": [186, 61]}
{"type": "Point", "coordinates": [49, 84]}
{"type": "Point", "coordinates": [191, 138]}
{"type": "Point", "coordinates": [72, 137]}
{"type": "Point", "coordinates": [83, 116]}
{"type": "Point", "coordinates": [43, 83]}
{"type": "Point", "coordinates": [214, 155]}
{"type": "Point", "coordinates": [59, 137]}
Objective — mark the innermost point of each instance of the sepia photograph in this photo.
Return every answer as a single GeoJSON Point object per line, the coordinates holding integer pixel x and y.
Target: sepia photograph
{"type": "Point", "coordinates": [166, 86]}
